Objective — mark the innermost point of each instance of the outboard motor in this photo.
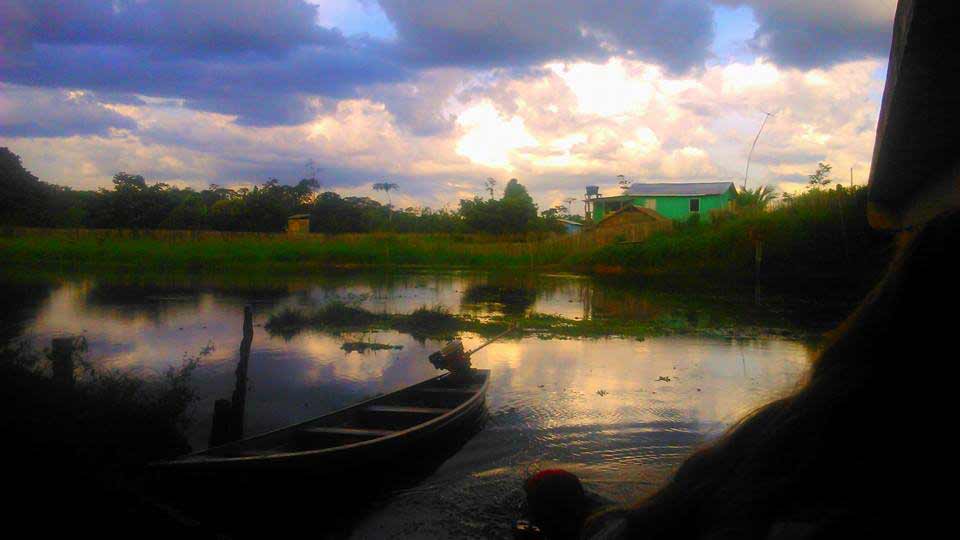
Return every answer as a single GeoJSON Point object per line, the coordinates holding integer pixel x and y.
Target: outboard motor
{"type": "Point", "coordinates": [452, 358]}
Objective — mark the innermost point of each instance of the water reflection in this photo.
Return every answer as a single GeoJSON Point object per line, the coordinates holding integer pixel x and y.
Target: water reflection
{"type": "Point", "coordinates": [619, 412]}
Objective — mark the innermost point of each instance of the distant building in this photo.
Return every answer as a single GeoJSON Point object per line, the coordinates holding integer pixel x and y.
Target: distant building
{"type": "Point", "coordinates": [298, 224]}
{"type": "Point", "coordinates": [571, 227]}
{"type": "Point", "coordinates": [675, 201]}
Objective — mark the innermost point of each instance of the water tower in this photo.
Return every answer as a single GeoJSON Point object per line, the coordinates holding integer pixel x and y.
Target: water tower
{"type": "Point", "coordinates": [593, 192]}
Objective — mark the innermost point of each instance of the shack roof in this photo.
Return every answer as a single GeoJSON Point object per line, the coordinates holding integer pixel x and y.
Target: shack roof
{"type": "Point", "coordinates": [680, 189]}
{"type": "Point", "coordinates": [299, 216]}
{"type": "Point", "coordinates": [651, 215]}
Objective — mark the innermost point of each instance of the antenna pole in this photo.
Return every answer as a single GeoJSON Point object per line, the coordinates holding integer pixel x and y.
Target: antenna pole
{"type": "Point", "coordinates": [754, 145]}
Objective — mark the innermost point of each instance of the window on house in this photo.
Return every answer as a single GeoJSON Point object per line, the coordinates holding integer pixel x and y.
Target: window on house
{"type": "Point", "coordinates": [650, 203]}
{"type": "Point", "coordinates": [694, 205]}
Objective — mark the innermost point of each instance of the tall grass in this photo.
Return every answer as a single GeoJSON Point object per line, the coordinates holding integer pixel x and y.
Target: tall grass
{"type": "Point", "coordinates": [815, 237]}
{"type": "Point", "coordinates": [161, 250]}
{"type": "Point", "coordinates": [820, 235]}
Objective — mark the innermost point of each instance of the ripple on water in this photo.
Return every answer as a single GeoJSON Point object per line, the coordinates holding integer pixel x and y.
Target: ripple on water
{"type": "Point", "coordinates": [600, 407]}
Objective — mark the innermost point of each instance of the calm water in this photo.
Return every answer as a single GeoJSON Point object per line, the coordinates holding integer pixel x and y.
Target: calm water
{"type": "Point", "coordinates": [599, 407]}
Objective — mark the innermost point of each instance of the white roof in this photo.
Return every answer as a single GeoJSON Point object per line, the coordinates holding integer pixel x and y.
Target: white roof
{"type": "Point", "coordinates": [680, 189]}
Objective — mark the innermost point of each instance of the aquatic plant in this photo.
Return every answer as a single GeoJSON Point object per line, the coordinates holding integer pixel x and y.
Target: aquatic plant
{"type": "Point", "coordinates": [335, 316]}
{"type": "Point", "coordinates": [364, 346]}
{"type": "Point", "coordinates": [429, 322]}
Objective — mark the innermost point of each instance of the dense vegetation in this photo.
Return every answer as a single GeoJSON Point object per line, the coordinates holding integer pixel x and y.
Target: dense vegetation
{"type": "Point", "coordinates": [821, 235]}
{"type": "Point", "coordinates": [133, 203]}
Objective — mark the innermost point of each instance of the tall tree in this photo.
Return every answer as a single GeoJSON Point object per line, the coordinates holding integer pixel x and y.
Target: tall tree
{"type": "Point", "coordinates": [386, 187]}
{"type": "Point", "coordinates": [491, 185]}
{"type": "Point", "coordinates": [821, 178]}
{"type": "Point", "coordinates": [22, 196]}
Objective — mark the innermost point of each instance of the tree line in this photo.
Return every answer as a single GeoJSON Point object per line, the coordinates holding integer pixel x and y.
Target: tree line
{"type": "Point", "coordinates": [134, 203]}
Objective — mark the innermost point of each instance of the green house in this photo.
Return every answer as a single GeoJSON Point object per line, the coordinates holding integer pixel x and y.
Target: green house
{"type": "Point", "coordinates": [677, 201]}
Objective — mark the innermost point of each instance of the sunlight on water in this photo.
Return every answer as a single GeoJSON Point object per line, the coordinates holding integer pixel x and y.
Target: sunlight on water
{"type": "Point", "coordinates": [621, 413]}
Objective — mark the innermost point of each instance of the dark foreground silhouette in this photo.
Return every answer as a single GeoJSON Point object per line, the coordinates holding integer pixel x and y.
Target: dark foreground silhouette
{"type": "Point", "coordinates": [857, 451]}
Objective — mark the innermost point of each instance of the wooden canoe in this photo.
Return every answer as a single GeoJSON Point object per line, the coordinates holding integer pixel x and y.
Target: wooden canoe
{"type": "Point", "coordinates": [381, 429]}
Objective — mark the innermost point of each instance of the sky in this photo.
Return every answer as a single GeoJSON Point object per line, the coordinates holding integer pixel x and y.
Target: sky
{"type": "Point", "coordinates": [437, 96]}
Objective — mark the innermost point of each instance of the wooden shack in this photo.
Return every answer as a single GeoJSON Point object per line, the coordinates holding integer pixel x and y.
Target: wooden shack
{"type": "Point", "coordinates": [298, 224]}
{"type": "Point", "coordinates": [631, 224]}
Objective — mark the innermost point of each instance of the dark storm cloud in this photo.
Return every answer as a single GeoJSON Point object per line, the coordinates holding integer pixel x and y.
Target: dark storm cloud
{"type": "Point", "coordinates": [48, 113]}
{"type": "Point", "coordinates": [184, 26]}
{"type": "Point", "coordinates": [673, 33]}
{"type": "Point", "coordinates": [820, 33]}
{"type": "Point", "coordinates": [261, 90]}
{"type": "Point", "coordinates": [268, 61]}
{"type": "Point", "coordinates": [260, 60]}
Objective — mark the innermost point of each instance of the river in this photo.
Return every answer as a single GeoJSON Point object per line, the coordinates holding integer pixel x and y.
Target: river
{"type": "Point", "coordinates": [621, 412]}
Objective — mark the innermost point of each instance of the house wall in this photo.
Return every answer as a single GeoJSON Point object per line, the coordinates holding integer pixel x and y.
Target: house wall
{"type": "Point", "coordinates": [675, 208]}
{"type": "Point", "coordinates": [298, 226]}
{"type": "Point", "coordinates": [570, 228]}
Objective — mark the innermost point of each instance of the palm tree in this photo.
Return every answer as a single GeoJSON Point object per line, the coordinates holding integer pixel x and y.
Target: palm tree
{"type": "Point", "coordinates": [759, 197]}
{"type": "Point", "coordinates": [386, 187]}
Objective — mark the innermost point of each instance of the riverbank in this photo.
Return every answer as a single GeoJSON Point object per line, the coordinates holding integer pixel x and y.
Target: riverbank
{"type": "Point", "coordinates": [819, 241]}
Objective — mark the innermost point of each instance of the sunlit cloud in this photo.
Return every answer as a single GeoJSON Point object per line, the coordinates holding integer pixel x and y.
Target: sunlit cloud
{"type": "Point", "coordinates": [489, 138]}
{"type": "Point", "coordinates": [558, 124]}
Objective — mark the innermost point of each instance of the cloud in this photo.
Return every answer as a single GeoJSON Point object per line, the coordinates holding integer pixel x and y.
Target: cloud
{"type": "Point", "coordinates": [499, 33]}
{"type": "Point", "coordinates": [264, 62]}
{"type": "Point", "coordinates": [820, 33]}
{"type": "Point", "coordinates": [271, 62]}
{"type": "Point", "coordinates": [541, 127]}
{"type": "Point", "coordinates": [181, 26]}
{"type": "Point", "coordinates": [261, 90]}
{"type": "Point", "coordinates": [423, 104]}
{"type": "Point", "coordinates": [26, 112]}
{"type": "Point", "coordinates": [455, 96]}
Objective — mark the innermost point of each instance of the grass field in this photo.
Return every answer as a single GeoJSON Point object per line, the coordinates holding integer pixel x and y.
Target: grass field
{"type": "Point", "coordinates": [819, 237]}
{"type": "Point", "coordinates": [185, 249]}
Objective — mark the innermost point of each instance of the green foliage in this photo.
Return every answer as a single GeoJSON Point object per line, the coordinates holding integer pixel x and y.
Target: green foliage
{"type": "Point", "coordinates": [106, 419]}
{"type": "Point", "coordinates": [819, 235]}
{"type": "Point", "coordinates": [135, 203]}
{"type": "Point", "coordinates": [758, 198]}
{"type": "Point", "coordinates": [821, 178]}
{"type": "Point", "coordinates": [29, 202]}
{"type": "Point", "coordinates": [514, 213]}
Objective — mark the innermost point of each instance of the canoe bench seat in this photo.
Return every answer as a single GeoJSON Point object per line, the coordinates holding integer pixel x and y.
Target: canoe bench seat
{"type": "Point", "coordinates": [320, 437]}
{"type": "Point", "coordinates": [448, 390]}
{"type": "Point", "coordinates": [397, 416]}
{"type": "Point", "coordinates": [441, 397]}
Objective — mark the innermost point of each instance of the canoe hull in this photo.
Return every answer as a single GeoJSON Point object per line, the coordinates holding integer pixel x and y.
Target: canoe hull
{"type": "Point", "coordinates": [423, 442]}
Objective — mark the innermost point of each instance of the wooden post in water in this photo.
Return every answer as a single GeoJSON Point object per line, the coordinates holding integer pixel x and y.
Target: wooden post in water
{"type": "Point", "coordinates": [239, 400]}
{"type": "Point", "coordinates": [757, 260]}
{"type": "Point", "coordinates": [61, 358]}
{"type": "Point", "coordinates": [220, 431]}
{"type": "Point", "coordinates": [228, 414]}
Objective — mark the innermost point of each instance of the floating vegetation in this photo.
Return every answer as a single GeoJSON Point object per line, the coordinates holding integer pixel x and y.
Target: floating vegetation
{"type": "Point", "coordinates": [435, 322]}
{"type": "Point", "coordinates": [440, 324]}
{"type": "Point", "coordinates": [335, 316]}
{"type": "Point", "coordinates": [364, 346]}
{"type": "Point", "coordinates": [510, 300]}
